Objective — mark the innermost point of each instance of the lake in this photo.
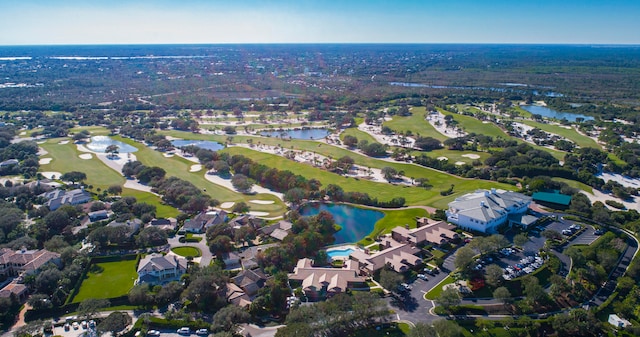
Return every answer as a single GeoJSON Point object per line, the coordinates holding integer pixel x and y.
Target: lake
{"type": "Point", "coordinates": [297, 134]}
{"type": "Point", "coordinates": [100, 144]}
{"type": "Point", "coordinates": [203, 144]}
{"type": "Point", "coordinates": [356, 222]}
{"type": "Point", "coordinates": [550, 113]}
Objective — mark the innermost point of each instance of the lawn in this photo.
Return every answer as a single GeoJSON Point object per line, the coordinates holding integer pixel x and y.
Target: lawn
{"type": "Point", "coordinates": [436, 291]}
{"type": "Point", "coordinates": [187, 251]}
{"type": "Point", "coordinates": [179, 167]}
{"type": "Point", "coordinates": [575, 184]}
{"type": "Point", "coordinates": [162, 210]}
{"type": "Point", "coordinates": [396, 218]}
{"type": "Point", "coordinates": [415, 123]}
{"type": "Point", "coordinates": [66, 158]}
{"type": "Point", "coordinates": [452, 155]}
{"type": "Point", "coordinates": [107, 280]}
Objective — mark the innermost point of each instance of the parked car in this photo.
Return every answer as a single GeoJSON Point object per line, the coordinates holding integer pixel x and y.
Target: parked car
{"type": "Point", "coordinates": [75, 326]}
{"type": "Point", "coordinates": [84, 324]}
{"type": "Point", "coordinates": [153, 333]}
{"type": "Point", "coordinates": [422, 277]}
{"type": "Point", "coordinates": [202, 332]}
{"type": "Point", "coordinates": [429, 271]}
{"type": "Point", "coordinates": [598, 232]}
{"type": "Point", "coordinates": [67, 326]}
{"type": "Point", "coordinates": [184, 330]}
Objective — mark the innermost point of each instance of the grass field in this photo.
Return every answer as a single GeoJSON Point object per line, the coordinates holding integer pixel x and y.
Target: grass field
{"type": "Point", "coordinates": [162, 210]}
{"type": "Point", "coordinates": [396, 218]}
{"type": "Point", "coordinates": [65, 159]}
{"type": "Point", "coordinates": [416, 124]}
{"type": "Point", "coordinates": [575, 184]}
{"type": "Point", "coordinates": [179, 167]}
{"type": "Point", "coordinates": [436, 291]}
{"type": "Point", "coordinates": [107, 280]}
{"type": "Point", "coordinates": [187, 251]}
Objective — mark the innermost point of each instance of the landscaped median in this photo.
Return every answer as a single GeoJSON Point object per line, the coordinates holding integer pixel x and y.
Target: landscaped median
{"type": "Point", "coordinates": [437, 290]}
{"type": "Point", "coordinates": [187, 251]}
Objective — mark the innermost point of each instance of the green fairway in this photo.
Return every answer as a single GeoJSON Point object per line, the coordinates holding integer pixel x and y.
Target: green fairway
{"type": "Point", "coordinates": [575, 184]}
{"type": "Point", "coordinates": [361, 135]}
{"type": "Point", "coordinates": [66, 158]}
{"type": "Point", "coordinates": [394, 218]}
{"type": "Point", "coordinates": [383, 191]}
{"type": "Point", "coordinates": [162, 210]}
{"type": "Point", "coordinates": [107, 280]}
{"type": "Point", "coordinates": [93, 130]}
{"type": "Point", "coordinates": [571, 134]}
{"type": "Point", "coordinates": [415, 123]}
{"type": "Point", "coordinates": [179, 167]}
{"type": "Point", "coordinates": [187, 251]}
{"type": "Point", "coordinates": [454, 156]}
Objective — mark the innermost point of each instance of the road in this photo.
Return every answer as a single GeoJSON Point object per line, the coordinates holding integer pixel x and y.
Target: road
{"type": "Point", "coordinates": [206, 257]}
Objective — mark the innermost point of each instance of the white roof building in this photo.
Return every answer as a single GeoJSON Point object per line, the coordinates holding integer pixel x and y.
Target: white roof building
{"type": "Point", "coordinates": [484, 210]}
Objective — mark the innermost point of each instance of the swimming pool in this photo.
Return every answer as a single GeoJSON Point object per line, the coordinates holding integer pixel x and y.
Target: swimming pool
{"type": "Point", "coordinates": [344, 252]}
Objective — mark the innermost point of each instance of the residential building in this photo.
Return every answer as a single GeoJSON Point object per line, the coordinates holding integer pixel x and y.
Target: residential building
{"type": "Point", "coordinates": [19, 289]}
{"type": "Point", "coordinates": [231, 260]}
{"type": "Point", "coordinates": [278, 231]}
{"type": "Point", "coordinates": [57, 198]}
{"type": "Point", "coordinates": [618, 322]}
{"type": "Point", "coordinates": [246, 220]}
{"type": "Point", "coordinates": [248, 256]}
{"type": "Point", "coordinates": [484, 211]}
{"type": "Point", "coordinates": [133, 226]}
{"type": "Point", "coordinates": [201, 222]}
{"type": "Point", "coordinates": [399, 256]}
{"type": "Point", "coordinates": [158, 269]}
{"type": "Point", "coordinates": [9, 162]}
{"type": "Point", "coordinates": [236, 296]}
{"type": "Point", "coordinates": [98, 215]}
{"type": "Point", "coordinates": [427, 231]}
{"type": "Point", "coordinates": [164, 224]}
{"type": "Point", "coordinates": [14, 263]}
{"type": "Point", "coordinates": [250, 281]}
{"type": "Point", "coordinates": [322, 282]}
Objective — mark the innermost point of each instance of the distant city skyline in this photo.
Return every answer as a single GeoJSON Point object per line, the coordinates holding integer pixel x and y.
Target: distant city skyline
{"type": "Point", "coordinates": [33, 22]}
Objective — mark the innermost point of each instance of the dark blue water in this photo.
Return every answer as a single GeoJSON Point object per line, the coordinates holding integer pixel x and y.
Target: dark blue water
{"type": "Point", "coordinates": [356, 222]}
{"type": "Point", "coordinates": [550, 113]}
{"type": "Point", "coordinates": [203, 144]}
{"type": "Point", "coordinates": [298, 134]}
{"type": "Point", "coordinates": [100, 144]}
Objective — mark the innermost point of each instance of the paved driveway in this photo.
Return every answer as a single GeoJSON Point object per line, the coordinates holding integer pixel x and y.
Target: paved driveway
{"type": "Point", "coordinates": [206, 257]}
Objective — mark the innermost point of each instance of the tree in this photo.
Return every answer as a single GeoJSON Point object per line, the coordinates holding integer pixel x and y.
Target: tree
{"type": "Point", "coordinates": [520, 239]}
{"type": "Point", "coordinates": [551, 234]}
{"type": "Point", "coordinates": [227, 318]}
{"type": "Point", "coordinates": [114, 323]}
{"type": "Point", "coordinates": [139, 295]}
{"type": "Point", "coordinates": [389, 279]}
{"type": "Point", "coordinates": [350, 141]}
{"type": "Point", "coordinates": [464, 258]}
{"type": "Point", "coordinates": [151, 236]}
{"type": "Point", "coordinates": [446, 328]}
{"type": "Point", "coordinates": [91, 306]}
{"type": "Point", "coordinates": [449, 298]}
{"type": "Point", "coordinates": [112, 150]}
{"type": "Point", "coordinates": [241, 183]}
{"type": "Point", "coordinates": [493, 275]}
{"type": "Point", "coordinates": [484, 324]}
{"type": "Point", "coordinates": [240, 207]}
{"type": "Point", "coordinates": [422, 330]}
{"type": "Point", "coordinates": [502, 294]}
{"type": "Point", "coordinates": [532, 289]}
{"type": "Point", "coordinates": [74, 176]}
{"type": "Point", "coordinates": [389, 173]}
{"type": "Point", "coordinates": [40, 302]}
{"type": "Point", "coordinates": [220, 245]}
{"type": "Point", "coordinates": [295, 195]}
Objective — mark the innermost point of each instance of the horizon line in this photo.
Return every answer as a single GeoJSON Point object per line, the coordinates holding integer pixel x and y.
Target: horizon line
{"type": "Point", "coordinates": [326, 43]}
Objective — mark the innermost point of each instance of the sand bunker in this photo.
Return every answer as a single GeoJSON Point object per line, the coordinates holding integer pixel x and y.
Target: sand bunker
{"type": "Point", "coordinates": [63, 142]}
{"type": "Point", "coordinates": [23, 133]}
{"type": "Point", "coordinates": [262, 202]}
{"type": "Point", "coordinates": [471, 156]}
{"type": "Point", "coordinates": [51, 174]}
{"type": "Point", "coordinates": [195, 168]}
{"type": "Point", "coordinates": [460, 163]}
{"type": "Point", "coordinates": [167, 155]}
{"type": "Point", "coordinates": [254, 213]}
{"type": "Point", "coordinates": [44, 161]}
{"type": "Point", "coordinates": [227, 204]}
{"type": "Point", "coordinates": [442, 158]}
{"type": "Point", "coordinates": [86, 156]}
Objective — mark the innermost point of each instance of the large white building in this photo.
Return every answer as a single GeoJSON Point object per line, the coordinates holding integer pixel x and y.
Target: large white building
{"type": "Point", "coordinates": [160, 269]}
{"type": "Point", "coordinates": [483, 210]}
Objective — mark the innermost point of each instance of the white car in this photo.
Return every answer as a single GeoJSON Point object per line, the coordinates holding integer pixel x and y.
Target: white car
{"type": "Point", "coordinates": [153, 333]}
{"type": "Point", "coordinates": [422, 277]}
{"type": "Point", "coordinates": [184, 330]}
{"type": "Point", "coordinates": [202, 332]}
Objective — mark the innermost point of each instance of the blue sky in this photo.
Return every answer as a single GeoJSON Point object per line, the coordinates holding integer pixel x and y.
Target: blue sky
{"type": "Point", "coordinates": [315, 21]}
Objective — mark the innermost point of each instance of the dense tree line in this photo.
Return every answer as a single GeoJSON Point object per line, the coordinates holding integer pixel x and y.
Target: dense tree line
{"type": "Point", "coordinates": [26, 153]}
{"type": "Point", "coordinates": [342, 315]}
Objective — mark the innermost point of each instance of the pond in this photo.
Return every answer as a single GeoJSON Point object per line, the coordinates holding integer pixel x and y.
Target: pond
{"type": "Point", "coordinates": [297, 134]}
{"type": "Point", "coordinates": [203, 144]}
{"type": "Point", "coordinates": [100, 144]}
{"type": "Point", "coordinates": [356, 222]}
{"type": "Point", "coordinates": [550, 113]}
